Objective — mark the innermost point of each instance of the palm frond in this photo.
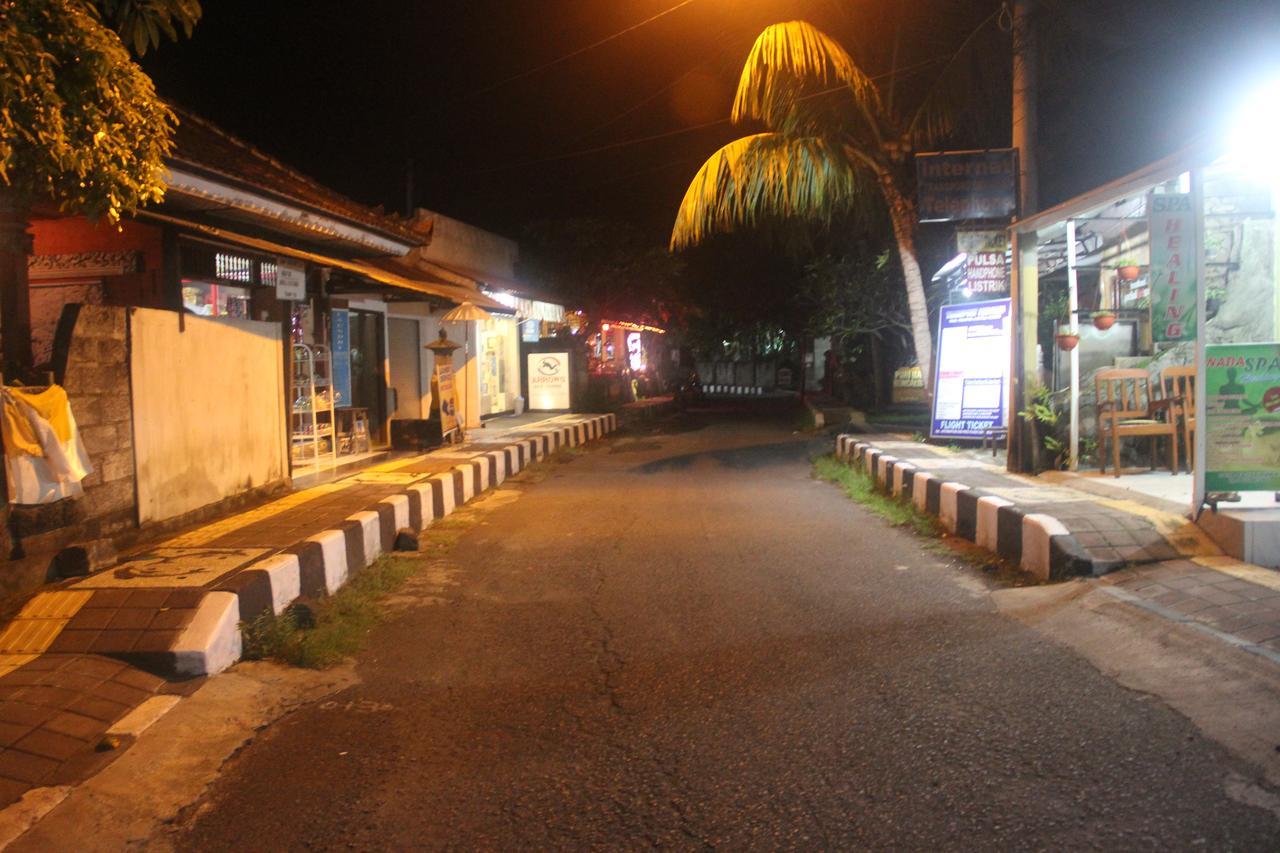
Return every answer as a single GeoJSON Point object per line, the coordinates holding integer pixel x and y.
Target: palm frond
{"type": "Point", "coordinates": [791, 60]}
{"type": "Point", "coordinates": [767, 176]}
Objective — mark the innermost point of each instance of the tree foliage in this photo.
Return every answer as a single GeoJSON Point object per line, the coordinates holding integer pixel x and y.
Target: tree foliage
{"type": "Point", "coordinates": [833, 145]}
{"type": "Point", "coordinates": [80, 123]}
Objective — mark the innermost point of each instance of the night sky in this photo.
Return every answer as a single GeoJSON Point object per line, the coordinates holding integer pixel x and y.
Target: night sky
{"type": "Point", "coordinates": [347, 92]}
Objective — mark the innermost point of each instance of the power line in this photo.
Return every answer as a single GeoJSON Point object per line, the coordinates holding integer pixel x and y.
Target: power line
{"type": "Point", "coordinates": [575, 53]}
{"type": "Point", "coordinates": [627, 143]}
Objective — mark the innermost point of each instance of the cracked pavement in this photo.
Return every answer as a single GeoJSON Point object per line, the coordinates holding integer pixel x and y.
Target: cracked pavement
{"type": "Point", "coordinates": [680, 639]}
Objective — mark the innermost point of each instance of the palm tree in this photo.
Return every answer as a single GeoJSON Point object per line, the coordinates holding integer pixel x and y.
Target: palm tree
{"type": "Point", "coordinates": [833, 143]}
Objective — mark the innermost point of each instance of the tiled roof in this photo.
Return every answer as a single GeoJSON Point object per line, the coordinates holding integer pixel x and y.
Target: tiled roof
{"type": "Point", "coordinates": [201, 145]}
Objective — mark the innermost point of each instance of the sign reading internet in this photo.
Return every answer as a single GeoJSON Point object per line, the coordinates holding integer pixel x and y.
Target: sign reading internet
{"type": "Point", "coordinates": [964, 185]}
{"type": "Point", "coordinates": [548, 381]}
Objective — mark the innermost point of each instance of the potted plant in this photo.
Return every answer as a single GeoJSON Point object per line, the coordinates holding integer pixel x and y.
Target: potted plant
{"type": "Point", "coordinates": [1128, 269]}
{"type": "Point", "coordinates": [1066, 339]}
{"type": "Point", "coordinates": [1103, 320]}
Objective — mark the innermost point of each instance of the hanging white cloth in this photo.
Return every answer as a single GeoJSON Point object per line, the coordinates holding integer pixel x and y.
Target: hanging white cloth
{"type": "Point", "coordinates": [44, 458]}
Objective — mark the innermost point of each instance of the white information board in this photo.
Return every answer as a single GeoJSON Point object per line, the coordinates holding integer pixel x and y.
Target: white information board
{"type": "Point", "coordinates": [548, 381]}
{"type": "Point", "coordinates": [971, 386]}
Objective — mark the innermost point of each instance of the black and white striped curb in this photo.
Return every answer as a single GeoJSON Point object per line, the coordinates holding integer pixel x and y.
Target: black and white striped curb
{"type": "Point", "coordinates": [320, 564]}
{"type": "Point", "coordinates": [1036, 542]}
{"type": "Point", "coordinates": [734, 390]}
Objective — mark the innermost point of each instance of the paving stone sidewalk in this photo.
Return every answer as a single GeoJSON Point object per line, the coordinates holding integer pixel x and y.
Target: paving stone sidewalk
{"type": "Point", "coordinates": [83, 656]}
{"type": "Point", "coordinates": [1142, 552]}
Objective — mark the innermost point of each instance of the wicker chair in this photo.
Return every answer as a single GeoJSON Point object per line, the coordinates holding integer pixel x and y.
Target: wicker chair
{"type": "Point", "coordinates": [1179, 384]}
{"type": "Point", "coordinates": [1126, 410]}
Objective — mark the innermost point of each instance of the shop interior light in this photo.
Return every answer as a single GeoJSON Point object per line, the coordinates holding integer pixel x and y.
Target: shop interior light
{"type": "Point", "coordinates": [1255, 131]}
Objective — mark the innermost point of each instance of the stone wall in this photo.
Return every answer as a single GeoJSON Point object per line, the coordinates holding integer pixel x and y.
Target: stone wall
{"type": "Point", "coordinates": [96, 376]}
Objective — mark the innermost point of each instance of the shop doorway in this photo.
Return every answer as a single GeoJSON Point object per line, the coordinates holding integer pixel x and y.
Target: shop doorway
{"type": "Point", "coordinates": [406, 367]}
{"type": "Point", "coordinates": [493, 375]}
{"type": "Point", "coordinates": [368, 386]}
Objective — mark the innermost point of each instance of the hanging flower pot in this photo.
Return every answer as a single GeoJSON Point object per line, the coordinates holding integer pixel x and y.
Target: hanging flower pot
{"type": "Point", "coordinates": [1067, 339]}
{"type": "Point", "coordinates": [1103, 320]}
{"type": "Point", "coordinates": [1128, 270]}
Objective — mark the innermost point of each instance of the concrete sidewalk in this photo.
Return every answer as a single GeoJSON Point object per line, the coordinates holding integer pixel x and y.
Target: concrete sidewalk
{"type": "Point", "coordinates": [1058, 526]}
{"type": "Point", "coordinates": [86, 655]}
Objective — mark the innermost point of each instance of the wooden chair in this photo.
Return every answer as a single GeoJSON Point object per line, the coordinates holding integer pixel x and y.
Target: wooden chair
{"type": "Point", "coordinates": [1179, 385]}
{"type": "Point", "coordinates": [1126, 410]}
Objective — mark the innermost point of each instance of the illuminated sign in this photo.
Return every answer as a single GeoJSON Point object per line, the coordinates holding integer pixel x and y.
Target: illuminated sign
{"type": "Point", "coordinates": [971, 388]}
{"type": "Point", "coordinates": [548, 381]}
{"type": "Point", "coordinates": [635, 352]}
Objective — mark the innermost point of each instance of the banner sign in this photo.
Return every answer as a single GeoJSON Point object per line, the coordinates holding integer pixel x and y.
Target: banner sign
{"type": "Point", "coordinates": [340, 350]}
{"type": "Point", "coordinates": [957, 185]}
{"type": "Point", "coordinates": [548, 381]}
{"type": "Point", "coordinates": [291, 280]}
{"type": "Point", "coordinates": [1173, 267]}
{"type": "Point", "coordinates": [971, 388]}
{"type": "Point", "coordinates": [448, 397]}
{"type": "Point", "coordinates": [987, 274]}
{"type": "Point", "coordinates": [972, 240]}
{"type": "Point", "coordinates": [1242, 437]}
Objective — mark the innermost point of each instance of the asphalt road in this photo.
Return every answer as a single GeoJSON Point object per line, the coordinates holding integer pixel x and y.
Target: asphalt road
{"type": "Point", "coordinates": [681, 639]}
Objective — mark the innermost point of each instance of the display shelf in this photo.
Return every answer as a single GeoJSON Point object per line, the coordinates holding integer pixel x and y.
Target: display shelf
{"type": "Point", "coordinates": [311, 417]}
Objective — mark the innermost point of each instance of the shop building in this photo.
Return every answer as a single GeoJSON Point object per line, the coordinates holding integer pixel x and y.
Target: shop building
{"type": "Point", "coordinates": [1148, 310]}
{"type": "Point", "coordinates": [232, 339]}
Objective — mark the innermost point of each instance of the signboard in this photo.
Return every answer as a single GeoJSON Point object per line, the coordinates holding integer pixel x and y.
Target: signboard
{"type": "Point", "coordinates": [1173, 267]}
{"type": "Point", "coordinates": [548, 381]}
{"type": "Point", "coordinates": [340, 349]}
{"type": "Point", "coordinates": [971, 388]}
{"type": "Point", "coordinates": [972, 240]}
{"type": "Point", "coordinates": [448, 397]}
{"type": "Point", "coordinates": [1242, 407]}
{"type": "Point", "coordinates": [958, 185]}
{"type": "Point", "coordinates": [908, 385]}
{"type": "Point", "coordinates": [291, 280]}
{"type": "Point", "coordinates": [987, 274]}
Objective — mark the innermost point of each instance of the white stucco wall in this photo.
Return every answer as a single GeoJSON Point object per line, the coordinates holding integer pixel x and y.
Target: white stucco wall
{"type": "Point", "coordinates": [461, 245]}
{"type": "Point", "coordinates": [208, 409]}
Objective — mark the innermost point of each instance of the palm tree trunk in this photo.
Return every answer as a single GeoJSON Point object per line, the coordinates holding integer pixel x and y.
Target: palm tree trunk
{"type": "Point", "coordinates": [902, 213]}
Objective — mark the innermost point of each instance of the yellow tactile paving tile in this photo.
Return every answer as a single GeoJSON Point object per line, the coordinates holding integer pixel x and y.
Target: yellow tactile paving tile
{"type": "Point", "coordinates": [41, 621]}
{"type": "Point", "coordinates": [1243, 571]}
{"type": "Point", "coordinates": [1186, 538]}
{"type": "Point", "coordinates": [57, 604]}
{"type": "Point", "coordinates": [204, 535]}
{"type": "Point", "coordinates": [8, 663]}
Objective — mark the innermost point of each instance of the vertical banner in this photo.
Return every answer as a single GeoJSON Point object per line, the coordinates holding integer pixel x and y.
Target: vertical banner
{"type": "Point", "coordinates": [1173, 267]}
{"type": "Point", "coordinates": [448, 397]}
{"type": "Point", "coordinates": [340, 351]}
{"type": "Point", "coordinates": [971, 389]}
{"type": "Point", "coordinates": [1242, 383]}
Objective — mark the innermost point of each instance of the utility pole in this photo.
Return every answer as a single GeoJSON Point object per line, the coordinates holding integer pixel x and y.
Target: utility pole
{"type": "Point", "coordinates": [1025, 286]}
{"type": "Point", "coordinates": [1024, 104]}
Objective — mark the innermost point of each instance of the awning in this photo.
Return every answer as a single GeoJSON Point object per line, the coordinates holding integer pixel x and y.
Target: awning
{"type": "Point", "coordinates": [456, 293]}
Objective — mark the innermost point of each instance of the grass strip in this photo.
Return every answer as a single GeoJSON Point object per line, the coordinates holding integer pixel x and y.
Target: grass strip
{"type": "Point", "coordinates": [322, 633]}
{"type": "Point", "coordinates": [861, 487]}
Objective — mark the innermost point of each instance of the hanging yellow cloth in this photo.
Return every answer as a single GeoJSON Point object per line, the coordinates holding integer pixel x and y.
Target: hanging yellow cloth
{"type": "Point", "coordinates": [52, 406]}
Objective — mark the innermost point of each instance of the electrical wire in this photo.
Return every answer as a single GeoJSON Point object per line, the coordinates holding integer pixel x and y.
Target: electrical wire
{"type": "Point", "coordinates": [575, 53]}
{"type": "Point", "coordinates": [627, 143]}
